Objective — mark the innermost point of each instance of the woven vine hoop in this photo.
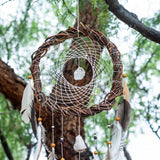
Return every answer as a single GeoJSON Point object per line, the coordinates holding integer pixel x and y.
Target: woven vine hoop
{"type": "Point", "coordinates": [83, 31]}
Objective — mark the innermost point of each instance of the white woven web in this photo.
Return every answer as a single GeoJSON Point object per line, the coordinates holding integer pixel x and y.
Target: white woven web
{"type": "Point", "coordinates": [79, 76]}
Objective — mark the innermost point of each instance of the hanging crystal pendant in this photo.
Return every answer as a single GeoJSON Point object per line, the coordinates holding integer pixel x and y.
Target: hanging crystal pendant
{"type": "Point", "coordinates": [79, 73]}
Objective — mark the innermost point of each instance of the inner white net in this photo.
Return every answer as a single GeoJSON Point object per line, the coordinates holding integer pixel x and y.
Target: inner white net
{"type": "Point", "coordinates": [79, 76]}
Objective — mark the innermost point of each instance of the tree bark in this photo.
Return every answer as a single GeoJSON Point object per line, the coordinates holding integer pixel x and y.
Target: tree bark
{"type": "Point", "coordinates": [132, 21]}
{"type": "Point", "coordinates": [11, 85]}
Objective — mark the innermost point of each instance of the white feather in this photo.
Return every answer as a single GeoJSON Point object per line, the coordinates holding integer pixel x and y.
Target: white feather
{"type": "Point", "coordinates": [96, 157]}
{"type": "Point", "coordinates": [52, 155]}
{"type": "Point", "coordinates": [39, 142]}
{"type": "Point", "coordinates": [27, 99]}
{"type": "Point", "coordinates": [116, 141]}
{"type": "Point", "coordinates": [79, 145]}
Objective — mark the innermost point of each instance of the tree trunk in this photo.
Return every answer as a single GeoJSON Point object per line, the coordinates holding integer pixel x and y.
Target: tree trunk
{"type": "Point", "coordinates": [12, 86]}
{"type": "Point", "coordinates": [71, 123]}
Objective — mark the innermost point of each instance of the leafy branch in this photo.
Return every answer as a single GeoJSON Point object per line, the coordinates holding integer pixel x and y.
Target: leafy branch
{"type": "Point", "coordinates": [132, 21]}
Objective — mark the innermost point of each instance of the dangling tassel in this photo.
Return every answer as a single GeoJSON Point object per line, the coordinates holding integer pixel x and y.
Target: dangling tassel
{"type": "Point", "coordinates": [27, 100]}
{"type": "Point", "coordinates": [62, 139]}
{"type": "Point", "coordinates": [116, 139]}
{"type": "Point", "coordinates": [79, 145]}
{"type": "Point", "coordinates": [40, 136]}
{"type": "Point", "coordinates": [52, 155]}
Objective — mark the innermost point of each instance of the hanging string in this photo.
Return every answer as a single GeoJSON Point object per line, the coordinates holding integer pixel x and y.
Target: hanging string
{"type": "Point", "coordinates": [109, 126]}
{"type": "Point", "coordinates": [52, 126]}
{"type": "Point", "coordinates": [79, 132]}
{"type": "Point", "coordinates": [95, 134]}
{"type": "Point", "coordinates": [78, 16]}
{"type": "Point", "coordinates": [79, 121]}
{"type": "Point", "coordinates": [95, 138]}
{"type": "Point", "coordinates": [62, 139]}
{"type": "Point", "coordinates": [40, 109]}
{"type": "Point", "coordinates": [108, 157]}
{"type": "Point", "coordinates": [52, 155]}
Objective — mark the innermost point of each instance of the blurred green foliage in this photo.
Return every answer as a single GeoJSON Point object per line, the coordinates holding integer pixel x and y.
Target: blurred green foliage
{"type": "Point", "coordinates": [24, 32]}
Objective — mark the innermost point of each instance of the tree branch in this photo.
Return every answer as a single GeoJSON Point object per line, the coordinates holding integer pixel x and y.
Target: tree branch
{"type": "Point", "coordinates": [5, 146]}
{"type": "Point", "coordinates": [132, 21]}
{"type": "Point", "coordinates": [11, 85]}
{"type": "Point", "coordinates": [127, 155]}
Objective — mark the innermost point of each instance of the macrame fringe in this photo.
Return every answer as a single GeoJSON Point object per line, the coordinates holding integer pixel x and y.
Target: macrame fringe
{"type": "Point", "coordinates": [27, 100]}
{"type": "Point", "coordinates": [79, 145]}
{"type": "Point", "coordinates": [52, 155]}
{"type": "Point", "coordinates": [40, 138]}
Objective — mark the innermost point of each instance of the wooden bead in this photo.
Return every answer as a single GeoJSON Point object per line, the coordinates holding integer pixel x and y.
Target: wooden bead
{"type": "Point", "coordinates": [124, 75]}
{"type": "Point", "coordinates": [109, 142]}
{"type": "Point", "coordinates": [62, 159]}
{"type": "Point", "coordinates": [53, 145]}
{"type": "Point", "coordinates": [29, 77]}
{"type": "Point", "coordinates": [117, 119]}
{"type": "Point", "coordinates": [95, 152]}
{"type": "Point", "coordinates": [39, 119]}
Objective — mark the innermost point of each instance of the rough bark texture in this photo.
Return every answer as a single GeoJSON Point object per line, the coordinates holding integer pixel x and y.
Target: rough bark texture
{"type": "Point", "coordinates": [132, 21]}
{"type": "Point", "coordinates": [11, 85]}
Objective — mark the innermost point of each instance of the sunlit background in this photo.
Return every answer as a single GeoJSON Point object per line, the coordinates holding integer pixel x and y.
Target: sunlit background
{"type": "Point", "coordinates": [143, 144]}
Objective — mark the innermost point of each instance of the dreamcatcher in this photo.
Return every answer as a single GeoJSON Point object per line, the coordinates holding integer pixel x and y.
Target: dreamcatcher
{"type": "Point", "coordinates": [75, 76]}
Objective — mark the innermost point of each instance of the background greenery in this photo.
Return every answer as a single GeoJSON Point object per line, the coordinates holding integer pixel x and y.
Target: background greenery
{"type": "Point", "coordinates": [24, 29]}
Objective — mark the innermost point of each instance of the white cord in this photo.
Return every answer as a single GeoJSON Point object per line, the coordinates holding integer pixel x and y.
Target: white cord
{"type": "Point", "coordinates": [78, 17]}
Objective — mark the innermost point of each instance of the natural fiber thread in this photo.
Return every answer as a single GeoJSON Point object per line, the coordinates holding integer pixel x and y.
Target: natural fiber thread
{"type": "Point", "coordinates": [83, 30]}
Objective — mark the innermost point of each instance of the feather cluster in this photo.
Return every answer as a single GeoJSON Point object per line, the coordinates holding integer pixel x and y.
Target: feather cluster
{"type": "Point", "coordinates": [52, 155]}
{"type": "Point", "coordinates": [27, 100]}
{"type": "Point", "coordinates": [119, 132]}
{"type": "Point", "coordinates": [116, 140]}
{"type": "Point", "coordinates": [79, 145]}
{"type": "Point", "coordinates": [40, 138]}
